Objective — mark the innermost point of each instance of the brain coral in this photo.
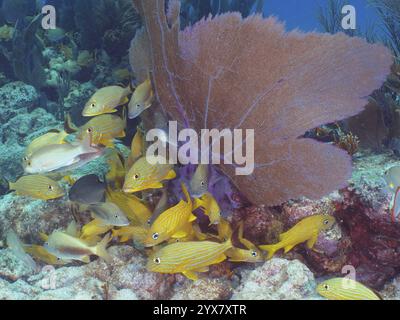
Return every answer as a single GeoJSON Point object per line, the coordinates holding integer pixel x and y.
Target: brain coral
{"type": "Point", "coordinates": [230, 72]}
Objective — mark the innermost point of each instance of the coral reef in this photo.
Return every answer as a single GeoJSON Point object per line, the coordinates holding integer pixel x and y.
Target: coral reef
{"type": "Point", "coordinates": [292, 98]}
{"type": "Point", "coordinates": [277, 279]}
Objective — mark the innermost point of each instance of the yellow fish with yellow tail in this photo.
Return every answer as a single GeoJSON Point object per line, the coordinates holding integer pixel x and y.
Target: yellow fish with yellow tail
{"type": "Point", "coordinates": [188, 258]}
{"type": "Point", "coordinates": [137, 148]}
{"type": "Point", "coordinates": [137, 212]}
{"type": "Point", "coordinates": [116, 174]}
{"type": "Point", "coordinates": [104, 129]}
{"type": "Point", "coordinates": [93, 229]}
{"type": "Point", "coordinates": [172, 223]}
{"type": "Point", "coordinates": [136, 233]}
{"type": "Point", "coordinates": [250, 254]}
{"type": "Point", "coordinates": [51, 137]}
{"type": "Point", "coordinates": [106, 100]}
{"type": "Point", "coordinates": [209, 206]}
{"type": "Point", "coordinates": [37, 187]}
{"type": "Point", "coordinates": [141, 99]}
{"type": "Point", "coordinates": [307, 229]}
{"type": "Point", "coordinates": [346, 289]}
{"type": "Point", "coordinates": [144, 175]}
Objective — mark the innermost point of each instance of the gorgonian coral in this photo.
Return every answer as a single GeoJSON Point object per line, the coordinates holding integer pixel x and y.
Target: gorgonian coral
{"type": "Point", "coordinates": [230, 72]}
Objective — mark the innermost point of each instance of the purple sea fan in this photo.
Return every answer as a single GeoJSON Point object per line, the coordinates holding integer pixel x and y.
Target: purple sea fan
{"type": "Point", "coordinates": [230, 72]}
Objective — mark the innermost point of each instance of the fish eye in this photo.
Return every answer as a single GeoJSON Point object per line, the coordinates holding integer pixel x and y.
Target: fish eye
{"type": "Point", "coordinates": [136, 176]}
{"type": "Point", "coordinates": [157, 260]}
{"type": "Point", "coordinates": [58, 259]}
{"type": "Point", "coordinates": [254, 253]}
{"type": "Point", "coordinates": [155, 236]}
{"type": "Point", "coordinates": [138, 105]}
{"type": "Point", "coordinates": [25, 158]}
{"type": "Point", "coordinates": [202, 183]}
{"type": "Point", "coordinates": [50, 187]}
{"type": "Point", "coordinates": [148, 222]}
{"type": "Point", "coordinates": [46, 243]}
{"type": "Point", "coordinates": [326, 221]}
{"type": "Point", "coordinates": [89, 130]}
{"type": "Point", "coordinates": [92, 105]}
{"type": "Point", "coordinates": [326, 287]}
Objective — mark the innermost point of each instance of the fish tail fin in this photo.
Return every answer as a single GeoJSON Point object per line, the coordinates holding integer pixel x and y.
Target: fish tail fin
{"type": "Point", "coordinates": [186, 193]}
{"type": "Point", "coordinates": [11, 185]}
{"type": "Point", "coordinates": [101, 248]}
{"type": "Point", "coordinates": [271, 249]}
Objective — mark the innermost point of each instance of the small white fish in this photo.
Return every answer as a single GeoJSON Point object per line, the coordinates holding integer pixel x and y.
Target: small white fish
{"type": "Point", "coordinates": [63, 157]}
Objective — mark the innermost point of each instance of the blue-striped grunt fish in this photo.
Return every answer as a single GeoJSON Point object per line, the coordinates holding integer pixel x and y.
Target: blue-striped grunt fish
{"type": "Point", "coordinates": [106, 100]}
{"type": "Point", "coordinates": [143, 175]}
{"type": "Point", "coordinates": [345, 289]}
{"type": "Point", "coordinates": [307, 229]}
{"type": "Point", "coordinates": [188, 258]}
{"type": "Point", "coordinates": [37, 187]}
{"type": "Point", "coordinates": [172, 223]}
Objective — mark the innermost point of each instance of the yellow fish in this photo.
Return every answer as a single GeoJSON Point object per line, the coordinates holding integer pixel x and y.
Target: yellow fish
{"type": "Point", "coordinates": [143, 175]}
{"type": "Point", "coordinates": [104, 129]}
{"type": "Point", "coordinates": [136, 211]}
{"type": "Point", "coordinates": [116, 174]}
{"type": "Point", "coordinates": [141, 99]}
{"type": "Point", "coordinates": [41, 254]}
{"type": "Point", "coordinates": [172, 223]}
{"type": "Point", "coordinates": [67, 247]}
{"type": "Point", "coordinates": [137, 233]}
{"type": "Point", "coordinates": [250, 254]}
{"type": "Point", "coordinates": [137, 148]}
{"type": "Point", "coordinates": [209, 206]}
{"type": "Point", "coordinates": [38, 187]}
{"type": "Point", "coordinates": [93, 229]}
{"type": "Point", "coordinates": [188, 258]}
{"type": "Point", "coordinates": [345, 289]}
{"type": "Point", "coordinates": [51, 137]}
{"type": "Point", "coordinates": [106, 100]}
{"type": "Point", "coordinates": [307, 229]}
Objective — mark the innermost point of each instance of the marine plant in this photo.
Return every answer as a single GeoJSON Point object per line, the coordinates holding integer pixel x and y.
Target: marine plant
{"type": "Point", "coordinates": [24, 53]}
{"type": "Point", "coordinates": [260, 77]}
{"type": "Point", "coordinates": [193, 11]}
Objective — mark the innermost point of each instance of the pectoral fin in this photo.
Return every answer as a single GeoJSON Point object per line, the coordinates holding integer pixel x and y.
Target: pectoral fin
{"type": "Point", "coordinates": [179, 234]}
{"type": "Point", "coordinates": [192, 217]}
{"type": "Point", "coordinates": [288, 248]}
{"type": "Point", "coordinates": [219, 259]}
{"type": "Point", "coordinates": [155, 185]}
{"type": "Point", "coordinates": [190, 275]}
{"type": "Point", "coordinates": [85, 259]}
{"type": "Point", "coordinates": [311, 242]}
{"type": "Point", "coordinates": [203, 269]}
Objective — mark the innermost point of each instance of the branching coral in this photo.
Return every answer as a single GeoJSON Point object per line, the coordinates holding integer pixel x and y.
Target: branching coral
{"type": "Point", "coordinates": [230, 72]}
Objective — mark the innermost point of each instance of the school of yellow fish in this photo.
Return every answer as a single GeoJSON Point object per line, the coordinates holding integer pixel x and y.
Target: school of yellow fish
{"type": "Point", "coordinates": [170, 235]}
